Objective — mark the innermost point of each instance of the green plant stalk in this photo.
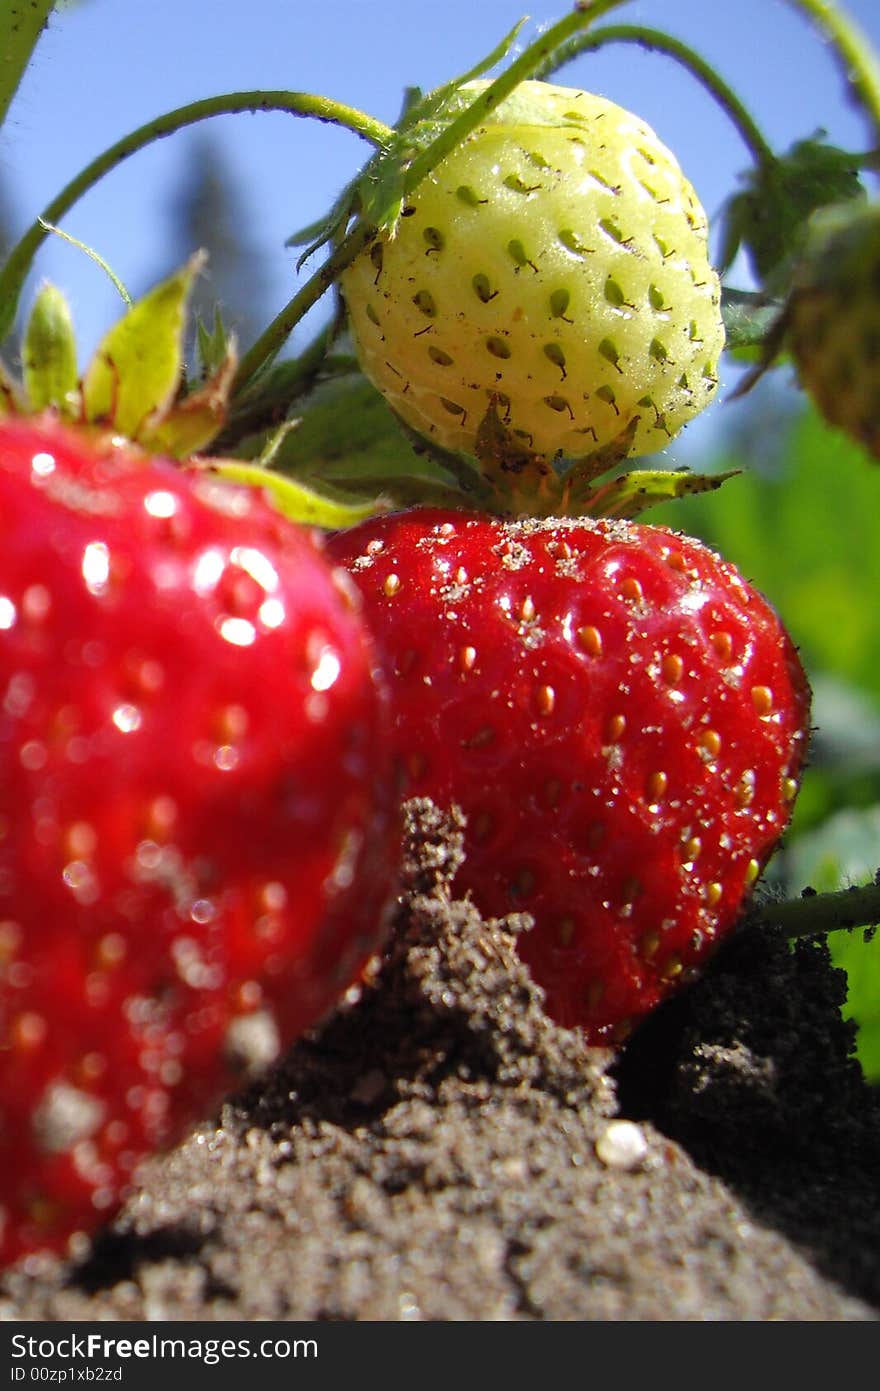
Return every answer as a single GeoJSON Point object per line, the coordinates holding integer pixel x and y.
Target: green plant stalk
{"type": "Point", "coordinates": [661, 42]}
{"type": "Point", "coordinates": [275, 391]}
{"type": "Point", "coordinates": [813, 914]}
{"type": "Point", "coordinates": [854, 52]}
{"type": "Point", "coordinates": [21, 24]}
{"type": "Point", "coordinates": [18, 264]}
{"type": "Point", "coordinates": [270, 342]}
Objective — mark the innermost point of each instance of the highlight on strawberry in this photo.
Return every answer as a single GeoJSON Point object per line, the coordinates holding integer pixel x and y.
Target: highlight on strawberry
{"type": "Point", "coordinates": [198, 808]}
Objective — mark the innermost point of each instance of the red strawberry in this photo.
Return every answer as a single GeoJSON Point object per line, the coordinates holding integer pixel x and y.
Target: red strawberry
{"type": "Point", "coordinates": [621, 718]}
{"type": "Point", "coordinates": [198, 818]}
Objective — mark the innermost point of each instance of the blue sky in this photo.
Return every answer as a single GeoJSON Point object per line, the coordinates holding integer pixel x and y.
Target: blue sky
{"type": "Point", "coordinates": [106, 66]}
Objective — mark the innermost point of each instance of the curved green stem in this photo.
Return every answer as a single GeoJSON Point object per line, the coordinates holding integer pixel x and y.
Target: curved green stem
{"type": "Point", "coordinates": [661, 42]}
{"type": "Point", "coordinates": [813, 913]}
{"type": "Point", "coordinates": [854, 52]}
{"type": "Point", "coordinates": [273, 393]}
{"type": "Point", "coordinates": [323, 109]}
{"type": "Point", "coordinates": [272, 340]}
{"type": "Point", "coordinates": [21, 24]}
{"type": "Point", "coordinates": [531, 61]}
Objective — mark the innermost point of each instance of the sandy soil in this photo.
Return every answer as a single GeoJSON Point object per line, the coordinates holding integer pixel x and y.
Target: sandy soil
{"type": "Point", "coordinates": [439, 1149]}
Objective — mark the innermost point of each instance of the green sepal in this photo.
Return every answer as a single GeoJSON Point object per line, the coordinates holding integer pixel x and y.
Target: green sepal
{"type": "Point", "coordinates": [768, 218]}
{"type": "Point", "coordinates": [11, 400]}
{"type": "Point", "coordinates": [421, 108]}
{"type": "Point", "coordinates": [749, 320]}
{"type": "Point", "coordinates": [49, 367]}
{"type": "Point", "coordinates": [380, 186]}
{"type": "Point", "coordinates": [214, 346]}
{"type": "Point", "coordinates": [525, 483]}
{"type": "Point", "coordinates": [328, 228]}
{"type": "Point", "coordinates": [633, 493]}
{"type": "Point", "coordinates": [193, 420]}
{"type": "Point", "coordinates": [134, 375]}
{"type": "Point", "coordinates": [298, 501]}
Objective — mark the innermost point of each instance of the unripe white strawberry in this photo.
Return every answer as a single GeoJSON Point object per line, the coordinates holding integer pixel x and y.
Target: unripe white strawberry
{"type": "Point", "coordinates": [554, 266]}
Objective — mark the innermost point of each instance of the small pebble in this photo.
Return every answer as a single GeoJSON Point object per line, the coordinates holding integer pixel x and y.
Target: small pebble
{"type": "Point", "coordinates": [622, 1145]}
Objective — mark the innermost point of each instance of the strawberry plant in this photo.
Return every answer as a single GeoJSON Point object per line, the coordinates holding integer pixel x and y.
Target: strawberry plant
{"type": "Point", "coordinates": [203, 721]}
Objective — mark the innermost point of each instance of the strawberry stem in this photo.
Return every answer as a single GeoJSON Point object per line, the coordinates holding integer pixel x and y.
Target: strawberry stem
{"type": "Point", "coordinates": [274, 392]}
{"type": "Point", "coordinates": [324, 109]}
{"type": "Point", "coordinates": [661, 42]}
{"type": "Point", "coordinates": [812, 913]}
{"type": "Point", "coordinates": [853, 50]}
{"type": "Point", "coordinates": [21, 25]}
{"type": "Point", "coordinates": [531, 61]}
{"type": "Point", "coordinates": [270, 342]}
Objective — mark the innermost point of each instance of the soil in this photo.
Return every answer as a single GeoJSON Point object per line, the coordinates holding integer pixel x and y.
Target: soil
{"type": "Point", "coordinates": [439, 1149]}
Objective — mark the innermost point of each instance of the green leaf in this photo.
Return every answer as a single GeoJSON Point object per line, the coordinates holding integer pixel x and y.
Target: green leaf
{"type": "Point", "coordinates": [298, 501]}
{"type": "Point", "coordinates": [749, 319]}
{"type": "Point", "coordinates": [768, 217]}
{"type": "Point", "coordinates": [137, 368]}
{"type": "Point", "coordinates": [49, 365]}
{"type": "Point", "coordinates": [348, 434]}
{"type": "Point", "coordinates": [844, 851]}
{"type": "Point", "coordinates": [21, 24]}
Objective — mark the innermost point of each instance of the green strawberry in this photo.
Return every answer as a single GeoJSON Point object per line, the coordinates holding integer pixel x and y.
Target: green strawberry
{"type": "Point", "coordinates": [553, 272]}
{"type": "Point", "coordinates": [831, 323]}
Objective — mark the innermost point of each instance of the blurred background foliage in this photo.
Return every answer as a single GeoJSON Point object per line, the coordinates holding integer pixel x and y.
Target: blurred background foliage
{"type": "Point", "coordinates": [802, 522]}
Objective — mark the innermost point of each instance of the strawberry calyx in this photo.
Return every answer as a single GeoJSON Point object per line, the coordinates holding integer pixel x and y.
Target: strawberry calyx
{"type": "Point", "coordinates": [134, 384]}
{"type": "Point", "coordinates": [135, 388]}
{"type": "Point", "coordinates": [525, 484]}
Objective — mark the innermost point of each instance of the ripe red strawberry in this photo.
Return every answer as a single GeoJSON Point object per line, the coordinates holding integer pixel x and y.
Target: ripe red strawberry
{"type": "Point", "coordinates": [198, 818]}
{"type": "Point", "coordinates": [621, 718]}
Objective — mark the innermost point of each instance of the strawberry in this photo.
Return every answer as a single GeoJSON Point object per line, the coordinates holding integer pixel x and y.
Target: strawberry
{"type": "Point", "coordinates": [198, 817]}
{"type": "Point", "coordinates": [621, 718]}
{"type": "Point", "coordinates": [552, 269]}
{"type": "Point", "coordinates": [831, 322]}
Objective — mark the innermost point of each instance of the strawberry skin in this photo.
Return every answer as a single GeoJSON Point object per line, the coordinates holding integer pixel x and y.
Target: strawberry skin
{"type": "Point", "coordinates": [198, 809]}
{"type": "Point", "coordinates": [621, 718]}
{"type": "Point", "coordinates": [553, 267]}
